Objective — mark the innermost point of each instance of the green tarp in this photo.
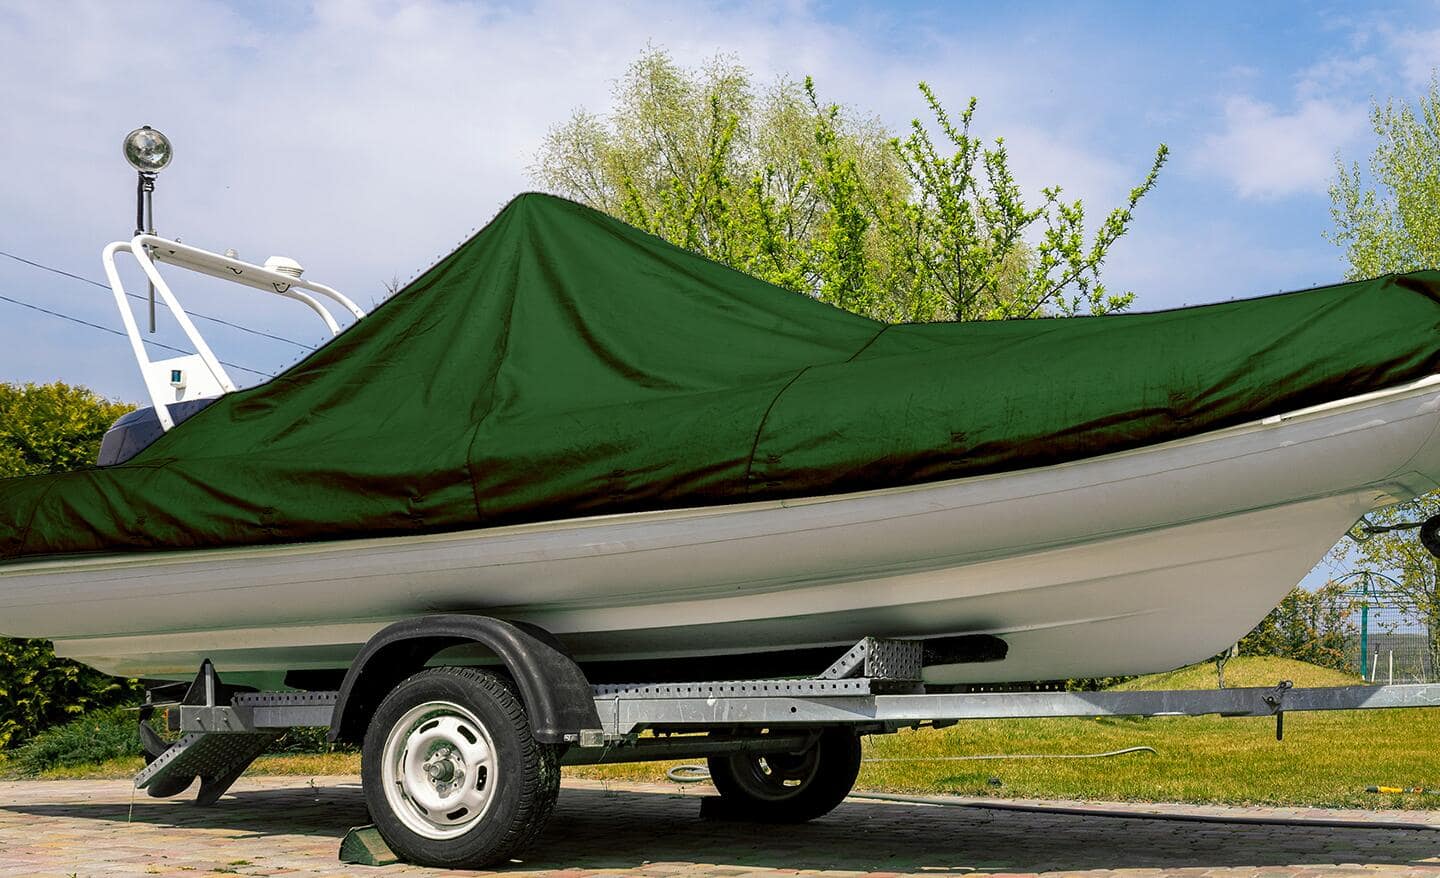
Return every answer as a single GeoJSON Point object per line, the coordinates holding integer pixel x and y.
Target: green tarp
{"type": "Point", "coordinates": [561, 363]}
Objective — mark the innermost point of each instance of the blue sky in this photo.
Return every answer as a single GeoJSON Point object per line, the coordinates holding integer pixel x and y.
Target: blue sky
{"type": "Point", "coordinates": [367, 139]}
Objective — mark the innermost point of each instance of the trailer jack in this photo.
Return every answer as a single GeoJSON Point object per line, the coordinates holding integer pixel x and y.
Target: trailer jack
{"type": "Point", "coordinates": [1276, 701]}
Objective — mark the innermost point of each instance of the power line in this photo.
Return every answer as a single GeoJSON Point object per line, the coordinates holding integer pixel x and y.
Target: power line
{"type": "Point", "coordinates": [157, 344]}
{"type": "Point", "coordinates": [95, 283]}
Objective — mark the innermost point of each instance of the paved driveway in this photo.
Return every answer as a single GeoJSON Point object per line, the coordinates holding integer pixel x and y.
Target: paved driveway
{"type": "Point", "coordinates": [286, 826]}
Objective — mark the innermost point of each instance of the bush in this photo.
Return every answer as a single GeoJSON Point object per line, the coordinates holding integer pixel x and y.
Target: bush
{"type": "Point", "coordinates": [307, 739]}
{"type": "Point", "coordinates": [52, 428]}
{"type": "Point", "coordinates": [103, 735]}
{"type": "Point", "coordinates": [93, 738]}
{"type": "Point", "coordinates": [38, 690]}
{"type": "Point", "coordinates": [48, 428]}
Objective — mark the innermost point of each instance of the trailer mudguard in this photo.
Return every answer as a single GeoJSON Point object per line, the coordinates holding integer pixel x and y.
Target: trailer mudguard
{"type": "Point", "coordinates": [556, 694]}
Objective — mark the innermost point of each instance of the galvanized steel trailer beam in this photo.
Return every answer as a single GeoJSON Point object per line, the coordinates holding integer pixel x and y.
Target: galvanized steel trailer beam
{"type": "Point", "coordinates": [624, 714]}
{"type": "Point", "coordinates": [774, 703]}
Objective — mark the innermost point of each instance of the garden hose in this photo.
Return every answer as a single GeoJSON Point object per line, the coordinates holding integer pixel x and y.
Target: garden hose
{"type": "Point", "coordinates": [1015, 756]}
{"type": "Point", "coordinates": [688, 773]}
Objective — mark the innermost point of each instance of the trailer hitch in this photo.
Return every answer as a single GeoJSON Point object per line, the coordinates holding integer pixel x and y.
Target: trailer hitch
{"type": "Point", "coordinates": [1276, 702]}
{"type": "Point", "coordinates": [1429, 529]}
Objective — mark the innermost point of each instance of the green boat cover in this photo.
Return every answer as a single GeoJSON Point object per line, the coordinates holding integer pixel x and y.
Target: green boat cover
{"type": "Point", "coordinates": [563, 364]}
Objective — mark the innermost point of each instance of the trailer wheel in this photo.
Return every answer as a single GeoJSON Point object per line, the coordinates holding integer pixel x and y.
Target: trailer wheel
{"type": "Point", "coordinates": [451, 773]}
{"type": "Point", "coordinates": [1430, 535]}
{"type": "Point", "coordinates": [789, 787]}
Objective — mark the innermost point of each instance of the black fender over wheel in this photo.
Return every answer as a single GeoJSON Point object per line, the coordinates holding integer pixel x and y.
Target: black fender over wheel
{"type": "Point", "coordinates": [789, 787]}
{"type": "Point", "coordinates": [452, 775]}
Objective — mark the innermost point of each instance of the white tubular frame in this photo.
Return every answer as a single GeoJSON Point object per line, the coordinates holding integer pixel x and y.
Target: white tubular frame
{"type": "Point", "coordinates": [236, 271]}
{"type": "Point", "coordinates": [147, 249]}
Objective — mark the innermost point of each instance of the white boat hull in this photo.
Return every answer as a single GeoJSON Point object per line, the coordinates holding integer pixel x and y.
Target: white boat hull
{"type": "Point", "coordinates": [1126, 563]}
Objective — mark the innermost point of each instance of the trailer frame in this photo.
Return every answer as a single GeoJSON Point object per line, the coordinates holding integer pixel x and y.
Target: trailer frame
{"type": "Point", "coordinates": [698, 718]}
{"type": "Point", "coordinates": [874, 688]}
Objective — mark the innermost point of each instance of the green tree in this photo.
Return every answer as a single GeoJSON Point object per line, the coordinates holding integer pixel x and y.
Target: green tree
{"type": "Point", "coordinates": [1389, 221]}
{"type": "Point", "coordinates": [823, 201]}
{"type": "Point", "coordinates": [1309, 626]}
{"type": "Point", "coordinates": [747, 177]}
{"type": "Point", "coordinates": [48, 428]}
{"type": "Point", "coordinates": [1386, 547]}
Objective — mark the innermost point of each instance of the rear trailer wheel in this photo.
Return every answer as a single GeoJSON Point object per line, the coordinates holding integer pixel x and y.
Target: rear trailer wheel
{"type": "Point", "coordinates": [451, 773]}
{"type": "Point", "coordinates": [1430, 535]}
{"type": "Point", "coordinates": [789, 787]}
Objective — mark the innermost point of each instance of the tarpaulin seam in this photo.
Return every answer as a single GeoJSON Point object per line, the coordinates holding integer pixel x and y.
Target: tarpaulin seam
{"type": "Point", "coordinates": [759, 429]}
{"type": "Point", "coordinates": [35, 511]}
{"type": "Point", "coordinates": [494, 377]}
{"type": "Point", "coordinates": [866, 346]}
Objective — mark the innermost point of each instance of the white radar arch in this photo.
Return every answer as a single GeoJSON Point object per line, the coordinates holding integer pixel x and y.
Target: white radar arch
{"type": "Point", "coordinates": [200, 375]}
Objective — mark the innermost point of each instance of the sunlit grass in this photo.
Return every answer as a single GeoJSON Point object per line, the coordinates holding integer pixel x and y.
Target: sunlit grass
{"type": "Point", "coordinates": [1258, 670]}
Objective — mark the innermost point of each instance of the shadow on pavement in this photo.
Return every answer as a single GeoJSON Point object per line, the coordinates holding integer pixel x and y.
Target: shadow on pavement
{"type": "Point", "coordinates": [594, 829]}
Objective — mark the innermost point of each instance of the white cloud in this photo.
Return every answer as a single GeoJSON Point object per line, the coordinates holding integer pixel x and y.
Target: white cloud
{"type": "Point", "coordinates": [1266, 153]}
{"type": "Point", "coordinates": [1419, 56]}
{"type": "Point", "coordinates": [1340, 74]}
{"type": "Point", "coordinates": [1197, 259]}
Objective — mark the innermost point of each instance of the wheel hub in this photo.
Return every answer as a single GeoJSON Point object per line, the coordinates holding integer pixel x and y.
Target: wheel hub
{"type": "Point", "coordinates": [438, 769]}
{"type": "Point", "coordinates": [446, 770]}
{"type": "Point", "coordinates": [778, 776]}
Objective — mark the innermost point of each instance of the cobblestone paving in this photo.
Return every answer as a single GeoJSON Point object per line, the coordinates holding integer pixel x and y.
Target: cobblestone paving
{"type": "Point", "coordinates": [286, 826]}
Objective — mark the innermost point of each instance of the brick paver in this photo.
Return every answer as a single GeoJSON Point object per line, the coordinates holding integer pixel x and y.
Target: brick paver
{"type": "Point", "coordinates": [287, 826]}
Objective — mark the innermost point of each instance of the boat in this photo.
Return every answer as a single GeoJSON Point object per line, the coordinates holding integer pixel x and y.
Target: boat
{"type": "Point", "coordinates": [663, 463]}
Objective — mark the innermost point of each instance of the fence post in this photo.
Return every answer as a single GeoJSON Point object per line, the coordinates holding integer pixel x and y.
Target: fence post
{"type": "Point", "coordinates": [1364, 635]}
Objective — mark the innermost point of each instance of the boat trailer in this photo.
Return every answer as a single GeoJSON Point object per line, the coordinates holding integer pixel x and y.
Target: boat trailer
{"type": "Point", "coordinates": [436, 763]}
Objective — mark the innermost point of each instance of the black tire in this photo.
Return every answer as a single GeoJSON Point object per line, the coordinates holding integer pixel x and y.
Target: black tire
{"type": "Point", "coordinates": [789, 787]}
{"type": "Point", "coordinates": [1430, 535]}
{"type": "Point", "coordinates": [518, 799]}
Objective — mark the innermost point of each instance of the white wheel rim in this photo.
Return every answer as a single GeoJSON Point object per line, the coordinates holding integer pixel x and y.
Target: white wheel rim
{"type": "Point", "coordinates": [440, 770]}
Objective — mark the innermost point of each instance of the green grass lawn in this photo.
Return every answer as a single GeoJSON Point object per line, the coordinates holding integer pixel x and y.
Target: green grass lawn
{"type": "Point", "coordinates": [1259, 670]}
{"type": "Point", "coordinates": [1326, 759]}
